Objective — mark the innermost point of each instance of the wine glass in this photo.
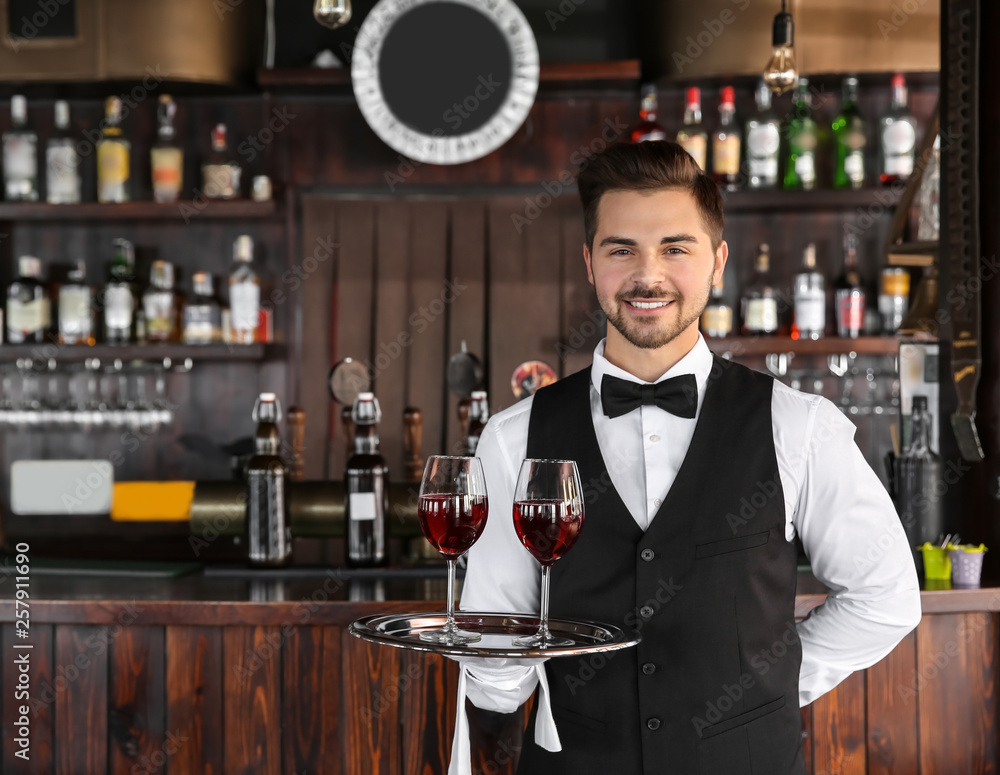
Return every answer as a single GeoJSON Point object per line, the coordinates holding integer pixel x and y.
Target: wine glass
{"type": "Point", "coordinates": [548, 517]}
{"type": "Point", "coordinates": [452, 508]}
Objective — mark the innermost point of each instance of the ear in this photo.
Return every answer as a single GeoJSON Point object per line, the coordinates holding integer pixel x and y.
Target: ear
{"type": "Point", "coordinates": [587, 261]}
{"type": "Point", "coordinates": [721, 256]}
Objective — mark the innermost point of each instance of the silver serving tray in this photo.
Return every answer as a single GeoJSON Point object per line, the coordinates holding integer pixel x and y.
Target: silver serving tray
{"type": "Point", "coordinates": [498, 631]}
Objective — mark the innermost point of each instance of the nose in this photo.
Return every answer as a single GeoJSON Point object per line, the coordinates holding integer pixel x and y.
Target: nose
{"type": "Point", "coordinates": [648, 271]}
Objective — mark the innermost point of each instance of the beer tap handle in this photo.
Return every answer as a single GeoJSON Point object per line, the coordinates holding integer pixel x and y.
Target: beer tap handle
{"type": "Point", "coordinates": [413, 432]}
{"type": "Point", "coordinates": [296, 420]}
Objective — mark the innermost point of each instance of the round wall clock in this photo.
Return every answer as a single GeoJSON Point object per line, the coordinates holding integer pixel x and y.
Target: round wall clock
{"type": "Point", "coordinates": [445, 81]}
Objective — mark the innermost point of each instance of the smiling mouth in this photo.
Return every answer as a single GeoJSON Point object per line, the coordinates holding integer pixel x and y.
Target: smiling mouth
{"type": "Point", "coordinates": [649, 304]}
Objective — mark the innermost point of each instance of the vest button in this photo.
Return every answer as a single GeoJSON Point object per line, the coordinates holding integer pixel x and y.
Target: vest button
{"type": "Point", "coordinates": [653, 723]}
{"type": "Point", "coordinates": [647, 555]}
{"type": "Point", "coordinates": [649, 668]}
{"type": "Point", "coordinates": [646, 611]}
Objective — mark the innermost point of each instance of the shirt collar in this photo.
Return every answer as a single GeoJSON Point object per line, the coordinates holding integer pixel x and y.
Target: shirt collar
{"type": "Point", "coordinates": [697, 361]}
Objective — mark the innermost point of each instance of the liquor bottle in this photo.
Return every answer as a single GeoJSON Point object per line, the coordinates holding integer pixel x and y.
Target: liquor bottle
{"type": "Point", "coordinates": [894, 298]}
{"type": "Point", "coordinates": [20, 155]}
{"type": "Point", "coordinates": [760, 302]}
{"type": "Point", "coordinates": [202, 313]}
{"type": "Point", "coordinates": [727, 144]}
{"type": "Point", "coordinates": [366, 484]}
{"type": "Point", "coordinates": [850, 132]}
{"type": "Point", "coordinates": [916, 473]}
{"type": "Point", "coordinates": [479, 414]}
{"type": "Point", "coordinates": [159, 303]}
{"type": "Point", "coordinates": [120, 296]}
{"type": "Point", "coordinates": [244, 292]}
{"type": "Point", "coordinates": [898, 136]}
{"type": "Point", "coordinates": [801, 131]}
{"type": "Point", "coordinates": [268, 529]}
{"type": "Point", "coordinates": [648, 128]}
{"type": "Point", "coordinates": [763, 142]}
{"type": "Point", "coordinates": [113, 157]}
{"type": "Point", "coordinates": [717, 319]}
{"type": "Point", "coordinates": [62, 163]}
{"type": "Point", "coordinates": [809, 299]}
{"type": "Point", "coordinates": [166, 157]}
{"type": "Point", "coordinates": [76, 317]}
{"type": "Point", "coordinates": [849, 294]}
{"type": "Point", "coordinates": [220, 174]}
{"type": "Point", "coordinates": [27, 304]}
{"type": "Point", "coordinates": [692, 135]}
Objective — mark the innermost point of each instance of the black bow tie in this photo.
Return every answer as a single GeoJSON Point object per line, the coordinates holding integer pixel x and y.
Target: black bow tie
{"type": "Point", "coordinates": [677, 395]}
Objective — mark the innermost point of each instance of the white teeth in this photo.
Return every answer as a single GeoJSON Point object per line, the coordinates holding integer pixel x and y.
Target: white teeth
{"type": "Point", "coordinates": [649, 304]}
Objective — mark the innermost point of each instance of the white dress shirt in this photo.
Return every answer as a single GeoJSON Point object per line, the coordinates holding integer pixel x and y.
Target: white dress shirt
{"type": "Point", "coordinates": [833, 501]}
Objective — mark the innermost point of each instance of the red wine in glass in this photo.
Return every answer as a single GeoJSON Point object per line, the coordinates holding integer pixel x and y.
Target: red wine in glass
{"type": "Point", "coordinates": [452, 523]}
{"type": "Point", "coordinates": [548, 528]}
{"type": "Point", "coordinates": [548, 517]}
{"type": "Point", "coordinates": [452, 507]}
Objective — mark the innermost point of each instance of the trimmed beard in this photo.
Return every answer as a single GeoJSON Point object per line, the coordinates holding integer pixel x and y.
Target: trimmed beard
{"type": "Point", "coordinates": [651, 337]}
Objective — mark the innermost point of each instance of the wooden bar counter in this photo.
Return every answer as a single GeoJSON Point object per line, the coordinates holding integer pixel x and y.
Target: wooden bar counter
{"type": "Point", "coordinates": [227, 674]}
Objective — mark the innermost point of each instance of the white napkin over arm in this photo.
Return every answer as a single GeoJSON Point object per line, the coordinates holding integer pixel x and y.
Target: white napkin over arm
{"type": "Point", "coordinates": [502, 686]}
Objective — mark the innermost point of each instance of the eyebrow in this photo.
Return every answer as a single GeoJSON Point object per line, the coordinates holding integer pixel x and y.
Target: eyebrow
{"type": "Point", "coordinates": [673, 238]}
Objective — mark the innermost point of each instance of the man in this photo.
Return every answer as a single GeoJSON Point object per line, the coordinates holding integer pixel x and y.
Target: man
{"type": "Point", "coordinates": [695, 491]}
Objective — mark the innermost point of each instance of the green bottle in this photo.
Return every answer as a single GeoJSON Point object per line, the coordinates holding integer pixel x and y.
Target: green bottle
{"type": "Point", "coordinates": [850, 132]}
{"type": "Point", "coordinates": [802, 138]}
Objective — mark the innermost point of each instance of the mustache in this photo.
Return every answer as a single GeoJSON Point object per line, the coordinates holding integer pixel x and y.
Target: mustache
{"type": "Point", "coordinates": [644, 294]}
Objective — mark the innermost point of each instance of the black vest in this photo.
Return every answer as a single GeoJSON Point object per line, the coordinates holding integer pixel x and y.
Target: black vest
{"type": "Point", "coordinates": [713, 686]}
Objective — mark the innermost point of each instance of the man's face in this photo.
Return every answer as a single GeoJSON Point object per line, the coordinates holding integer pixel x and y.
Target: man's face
{"type": "Point", "coordinates": [652, 264]}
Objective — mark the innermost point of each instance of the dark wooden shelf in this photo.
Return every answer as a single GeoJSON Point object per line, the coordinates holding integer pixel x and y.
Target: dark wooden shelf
{"type": "Point", "coordinates": [148, 352]}
{"type": "Point", "coordinates": [749, 346]}
{"type": "Point", "coordinates": [186, 210]}
{"type": "Point", "coordinates": [560, 75]}
{"type": "Point", "coordinates": [804, 201]}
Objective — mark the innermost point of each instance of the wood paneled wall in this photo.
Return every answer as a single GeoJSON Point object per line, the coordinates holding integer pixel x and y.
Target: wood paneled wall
{"type": "Point", "coordinates": [413, 279]}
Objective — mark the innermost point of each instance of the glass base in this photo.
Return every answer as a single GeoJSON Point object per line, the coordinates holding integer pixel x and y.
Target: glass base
{"type": "Point", "coordinates": [449, 636]}
{"type": "Point", "coordinates": [538, 640]}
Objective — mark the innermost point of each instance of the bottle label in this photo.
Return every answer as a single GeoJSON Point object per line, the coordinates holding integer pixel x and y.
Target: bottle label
{"type": "Point", "coordinates": [697, 146]}
{"type": "Point", "coordinates": [159, 320]}
{"type": "Point", "coordinates": [726, 155]}
{"type": "Point", "coordinates": [898, 141]}
{"type": "Point", "coordinates": [62, 173]}
{"type": "Point", "coordinates": [854, 166]}
{"type": "Point", "coordinates": [167, 165]}
{"type": "Point", "coordinates": [220, 180]}
{"type": "Point", "coordinates": [810, 310]}
{"type": "Point", "coordinates": [244, 300]}
{"type": "Point", "coordinates": [762, 316]}
{"type": "Point", "coordinates": [902, 166]}
{"type": "Point", "coordinates": [112, 166]}
{"type": "Point", "coordinates": [19, 157]}
{"type": "Point", "coordinates": [764, 169]}
{"type": "Point", "coordinates": [805, 167]}
{"type": "Point", "coordinates": [27, 318]}
{"type": "Point", "coordinates": [763, 141]}
{"type": "Point", "coordinates": [850, 311]}
{"type": "Point", "coordinates": [118, 307]}
{"type": "Point", "coordinates": [74, 310]}
{"type": "Point", "coordinates": [363, 506]}
{"type": "Point", "coordinates": [717, 321]}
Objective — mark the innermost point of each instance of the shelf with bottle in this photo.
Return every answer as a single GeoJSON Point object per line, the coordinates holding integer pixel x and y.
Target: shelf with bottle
{"type": "Point", "coordinates": [804, 151]}
{"type": "Point", "coordinates": [73, 317]}
{"type": "Point", "coordinates": [758, 346]}
{"type": "Point", "coordinates": [27, 167]}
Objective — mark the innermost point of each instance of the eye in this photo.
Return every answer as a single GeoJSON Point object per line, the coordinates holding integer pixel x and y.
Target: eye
{"type": "Point", "coordinates": [620, 251]}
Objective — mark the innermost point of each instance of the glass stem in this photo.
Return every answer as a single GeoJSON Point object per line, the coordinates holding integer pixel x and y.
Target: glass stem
{"type": "Point", "coordinates": [543, 628]}
{"type": "Point", "coordinates": [450, 623]}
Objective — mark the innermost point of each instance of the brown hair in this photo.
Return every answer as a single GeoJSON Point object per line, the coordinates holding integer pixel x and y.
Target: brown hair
{"type": "Point", "coordinates": [647, 166]}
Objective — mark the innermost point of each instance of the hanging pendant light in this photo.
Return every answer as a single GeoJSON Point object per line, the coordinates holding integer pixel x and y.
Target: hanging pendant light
{"type": "Point", "coordinates": [780, 72]}
{"type": "Point", "coordinates": [332, 13]}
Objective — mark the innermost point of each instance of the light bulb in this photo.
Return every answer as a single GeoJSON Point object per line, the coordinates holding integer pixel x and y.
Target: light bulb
{"type": "Point", "coordinates": [332, 13]}
{"type": "Point", "coordinates": [780, 73]}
